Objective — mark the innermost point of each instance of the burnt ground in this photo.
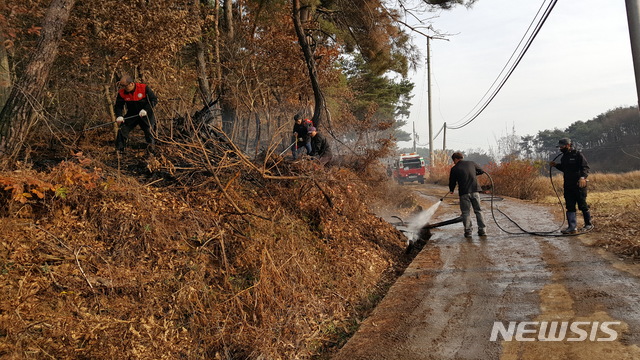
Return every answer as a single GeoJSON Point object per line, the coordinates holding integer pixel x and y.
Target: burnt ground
{"type": "Point", "coordinates": [445, 304]}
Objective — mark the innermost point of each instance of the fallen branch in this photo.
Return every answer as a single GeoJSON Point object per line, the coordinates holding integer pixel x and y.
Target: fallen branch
{"type": "Point", "coordinates": [75, 253]}
{"type": "Point", "coordinates": [326, 196]}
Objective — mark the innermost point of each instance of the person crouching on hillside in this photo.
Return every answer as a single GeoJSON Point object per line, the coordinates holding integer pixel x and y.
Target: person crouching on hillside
{"type": "Point", "coordinates": [575, 168]}
{"type": "Point", "coordinates": [464, 174]}
{"type": "Point", "coordinates": [320, 148]}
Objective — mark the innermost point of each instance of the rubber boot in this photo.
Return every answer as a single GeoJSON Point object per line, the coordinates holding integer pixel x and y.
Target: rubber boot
{"type": "Point", "coordinates": [573, 223]}
{"type": "Point", "coordinates": [587, 221]}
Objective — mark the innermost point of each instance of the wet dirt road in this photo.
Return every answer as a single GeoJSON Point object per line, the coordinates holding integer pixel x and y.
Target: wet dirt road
{"type": "Point", "coordinates": [447, 302]}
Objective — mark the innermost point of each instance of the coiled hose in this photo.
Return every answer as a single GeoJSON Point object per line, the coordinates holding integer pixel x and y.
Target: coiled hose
{"type": "Point", "coordinates": [522, 230]}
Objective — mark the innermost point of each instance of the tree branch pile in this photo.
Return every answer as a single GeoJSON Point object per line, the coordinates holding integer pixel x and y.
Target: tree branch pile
{"type": "Point", "coordinates": [229, 262]}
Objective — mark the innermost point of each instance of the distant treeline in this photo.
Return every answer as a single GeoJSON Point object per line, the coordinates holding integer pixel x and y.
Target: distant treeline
{"type": "Point", "coordinates": [610, 141]}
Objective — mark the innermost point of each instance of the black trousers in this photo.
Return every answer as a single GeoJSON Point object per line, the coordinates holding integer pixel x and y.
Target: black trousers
{"type": "Point", "coordinates": [148, 125]}
{"type": "Point", "coordinates": [576, 196]}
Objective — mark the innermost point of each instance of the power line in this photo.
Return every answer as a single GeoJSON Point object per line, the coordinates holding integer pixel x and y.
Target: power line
{"type": "Point", "coordinates": [533, 35]}
{"type": "Point", "coordinates": [506, 64]}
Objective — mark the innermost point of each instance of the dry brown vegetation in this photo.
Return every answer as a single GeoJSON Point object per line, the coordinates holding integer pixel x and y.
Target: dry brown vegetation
{"type": "Point", "coordinates": [614, 200]}
{"type": "Point", "coordinates": [225, 262]}
{"type": "Point", "coordinates": [616, 215]}
{"type": "Point", "coordinates": [615, 205]}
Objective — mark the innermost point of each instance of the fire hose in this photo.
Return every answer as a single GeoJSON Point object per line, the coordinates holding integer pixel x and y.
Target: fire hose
{"type": "Point", "coordinates": [524, 231]}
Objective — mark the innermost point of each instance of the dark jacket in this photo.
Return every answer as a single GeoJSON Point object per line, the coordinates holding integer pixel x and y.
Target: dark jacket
{"type": "Point", "coordinates": [320, 146]}
{"type": "Point", "coordinates": [302, 131]}
{"type": "Point", "coordinates": [464, 173]}
{"type": "Point", "coordinates": [574, 165]}
{"type": "Point", "coordinates": [142, 97]}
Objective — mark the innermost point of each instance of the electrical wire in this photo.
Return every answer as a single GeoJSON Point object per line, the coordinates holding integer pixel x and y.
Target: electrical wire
{"type": "Point", "coordinates": [511, 70]}
{"type": "Point", "coordinates": [541, 22]}
{"type": "Point", "coordinates": [507, 63]}
{"type": "Point", "coordinates": [434, 137]}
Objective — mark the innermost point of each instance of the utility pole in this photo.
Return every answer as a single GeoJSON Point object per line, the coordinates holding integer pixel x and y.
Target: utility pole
{"type": "Point", "coordinates": [414, 137]}
{"type": "Point", "coordinates": [429, 94]}
{"type": "Point", "coordinates": [444, 137]}
{"type": "Point", "coordinates": [429, 100]}
{"type": "Point", "coordinates": [633, 18]}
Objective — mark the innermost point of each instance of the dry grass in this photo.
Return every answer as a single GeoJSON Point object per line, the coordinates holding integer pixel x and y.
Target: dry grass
{"type": "Point", "coordinates": [609, 182]}
{"type": "Point", "coordinates": [616, 214]}
{"type": "Point", "coordinates": [243, 267]}
{"type": "Point", "coordinates": [615, 206]}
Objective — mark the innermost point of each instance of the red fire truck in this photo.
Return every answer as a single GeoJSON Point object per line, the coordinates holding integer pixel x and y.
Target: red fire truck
{"type": "Point", "coordinates": [408, 168]}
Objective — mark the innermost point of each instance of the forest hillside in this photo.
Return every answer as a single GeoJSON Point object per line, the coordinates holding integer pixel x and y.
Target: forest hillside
{"type": "Point", "coordinates": [234, 263]}
{"type": "Point", "coordinates": [211, 243]}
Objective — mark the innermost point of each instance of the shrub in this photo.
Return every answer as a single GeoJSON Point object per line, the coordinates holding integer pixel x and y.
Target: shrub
{"type": "Point", "coordinates": [439, 170]}
{"type": "Point", "coordinates": [517, 178]}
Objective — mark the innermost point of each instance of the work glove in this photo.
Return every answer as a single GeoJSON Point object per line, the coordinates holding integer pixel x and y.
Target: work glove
{"type": "Point", "coordinates": [143, 113]}
{"type": "Point", "coordinates": [119, 119]}
{"type": "Point", "coordinates": [553, 163]}
{"type": "Point", "coordinates": [582, 182]}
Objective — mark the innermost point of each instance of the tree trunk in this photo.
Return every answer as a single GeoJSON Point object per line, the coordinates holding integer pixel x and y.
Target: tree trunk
{"type": "Point", "coordinates": [5, 73]}
{"type": "Point", "coordinates": [256, 142]}
{"type": "Point", "coordinates": [268, 118]}
{"type": "Point", "coordinates": [203, 79]}
{"type": "Point", "coordinates": [201, 59]}
{"type": "Point", "coordinates": [319, 110]}
{"type": "Point", "coordinates": [247, 125]}
{"type": "Point", "coordinates": [228, 103]}
{"type": "Point", "coordinates": [228, 115]}
{"type": "Point", "coordinates": [107, 93]}
{"type": "Point", "coordinates": [228, 18]}
{"type": "Point", "coordinates": [19, 114]}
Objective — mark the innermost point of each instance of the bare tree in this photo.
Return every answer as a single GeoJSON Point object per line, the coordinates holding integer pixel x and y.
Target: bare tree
{"type": "Point", "coordinates": [319, 111]}
{"type": "Point", "coordinates": [5, 73]}
{"type": "Point", "coordinates": [201, 60]}
{"type": "Point", "coordinates": [20, 112]}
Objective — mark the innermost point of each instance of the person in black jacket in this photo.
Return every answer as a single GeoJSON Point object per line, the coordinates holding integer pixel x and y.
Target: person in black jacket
{"type": "Point", "coordinates": [139, 101]}
{"type": "Point", "coordinates": [320, 148]}
{"type": "Point", "coordinates": [301, 135]}
{"type": "Point", "coordinates": [464, 174]}
{"type": "Point", "coordinates": [575, 168]}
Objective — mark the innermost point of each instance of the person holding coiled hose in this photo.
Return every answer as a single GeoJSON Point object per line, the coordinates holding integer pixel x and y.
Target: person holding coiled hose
{"type": "Point", "coordinates": [575, 168]}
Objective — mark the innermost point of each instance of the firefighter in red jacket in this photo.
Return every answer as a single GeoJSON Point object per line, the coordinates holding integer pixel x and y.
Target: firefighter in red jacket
{"type": "Point", "coordinates": [139, 101]}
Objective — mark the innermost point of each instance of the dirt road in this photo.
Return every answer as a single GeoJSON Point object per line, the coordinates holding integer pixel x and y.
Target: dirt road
{"type": "Point", "coordinates": [458, 291]}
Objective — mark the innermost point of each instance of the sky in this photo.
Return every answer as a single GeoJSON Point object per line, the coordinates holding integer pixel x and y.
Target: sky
{"type": "Point", "coordinates": [578, 67]}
